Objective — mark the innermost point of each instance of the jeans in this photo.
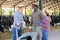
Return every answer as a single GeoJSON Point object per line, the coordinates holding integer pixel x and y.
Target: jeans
{"type": "Point", "coordinates": [19, 33]}
{"type": "Point", "coordinates": [45, 34]}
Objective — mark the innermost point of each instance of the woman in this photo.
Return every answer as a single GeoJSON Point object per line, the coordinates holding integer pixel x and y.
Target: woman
{"type": "Point", "coordinates": [45, 26]}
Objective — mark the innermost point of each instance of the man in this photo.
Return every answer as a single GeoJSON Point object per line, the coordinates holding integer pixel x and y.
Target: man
{"type": "Point", "coordinates": [36, 16]}
{"type": "Point", "coordinates": [18, 21]}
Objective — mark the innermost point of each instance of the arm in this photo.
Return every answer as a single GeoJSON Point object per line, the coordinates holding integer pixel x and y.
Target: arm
{"type": "Point", "coordinates": [31, 20]}
{"type": "Point", "coordinates": [40, 15]}
{"type": "Point", "coordinates": [15, 18]}
{"type": "Point", "coordinates": [44, 23]}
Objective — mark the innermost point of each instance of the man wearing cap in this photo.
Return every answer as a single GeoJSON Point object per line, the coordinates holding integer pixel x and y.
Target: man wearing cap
{"type": "Point", "coordinates": [18, 21]}
{"type": "Point", "coordinates": [36, 17]}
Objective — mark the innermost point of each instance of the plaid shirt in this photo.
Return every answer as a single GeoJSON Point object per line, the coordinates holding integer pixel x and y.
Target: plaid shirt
{"type": "Point", "coordinates": [46, 23]}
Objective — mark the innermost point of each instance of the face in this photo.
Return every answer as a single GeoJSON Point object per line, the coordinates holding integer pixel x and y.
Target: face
{"type": "Point", "coordinates": [20, 9]}
{"type": "Point", "coordinates": [34, 7]}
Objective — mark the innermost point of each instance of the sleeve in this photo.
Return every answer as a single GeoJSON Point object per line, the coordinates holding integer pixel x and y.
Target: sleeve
{"type": "Point", "coordinates": [40, 15]}
{"type": "Point", "coordinates": [40, 12]}
{"type": "Point", "coordinates": [44, 23]}
{"type": "Point", "coordinates": [31, 19]}
{"type": "Point", "coordinates": [22, 17]}
{"type": "Point", "coordinates": [15, 17]}
{"type": "Point", "coordinates": [31, 16]}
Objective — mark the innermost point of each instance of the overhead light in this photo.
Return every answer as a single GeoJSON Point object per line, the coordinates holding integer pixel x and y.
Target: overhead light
{"type": "Point", "coordinates": [36, 0]}
{"type": "Point", "coordinates": [24, 0]}
{"type": "Point", "coordinates": [9, 0]}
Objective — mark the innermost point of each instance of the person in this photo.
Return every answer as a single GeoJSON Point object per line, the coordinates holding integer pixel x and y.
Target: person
{"type": "Point", "coordinates": [45, 26]}
{"type": "Point", "coordinates": [36, 17]}
{"type": "Point", "coordinates": [18, 21]}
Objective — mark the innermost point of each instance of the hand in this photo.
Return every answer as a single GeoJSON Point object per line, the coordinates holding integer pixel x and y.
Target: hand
{"type": "Point", "coordinates": [38, 22]}
{"type": "Point", "coordinates": [43, 23]}
{"type": "Point", "coordinates": [18, 24]}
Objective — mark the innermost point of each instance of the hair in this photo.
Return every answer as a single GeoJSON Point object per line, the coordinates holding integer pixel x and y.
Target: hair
{"type": "Point", "coordinates": [47, 14]}
{"type": "Point", "coordinates": [35, 5]}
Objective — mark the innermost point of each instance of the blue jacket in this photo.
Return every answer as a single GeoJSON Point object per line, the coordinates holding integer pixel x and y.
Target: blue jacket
{"type": "Point", "coordinates": [18, 17]}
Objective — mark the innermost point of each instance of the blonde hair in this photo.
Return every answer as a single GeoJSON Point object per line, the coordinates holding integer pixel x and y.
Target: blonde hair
{"type": "Point", "coordinates": [47, 14]}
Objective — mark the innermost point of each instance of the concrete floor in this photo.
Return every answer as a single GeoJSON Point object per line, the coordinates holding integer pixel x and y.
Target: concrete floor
{"type": "Point", "coordinates": [54, 35]}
